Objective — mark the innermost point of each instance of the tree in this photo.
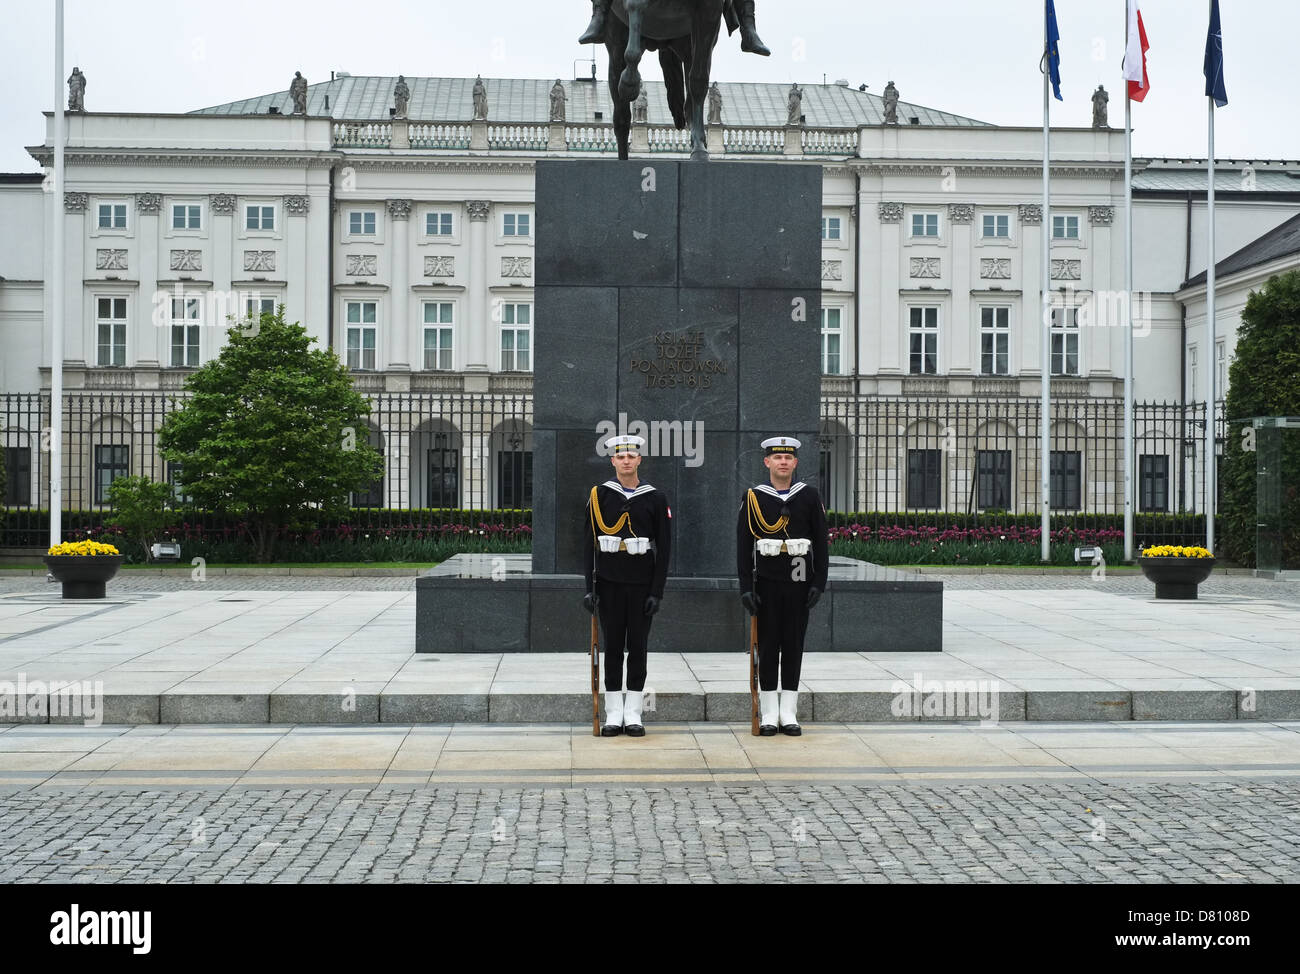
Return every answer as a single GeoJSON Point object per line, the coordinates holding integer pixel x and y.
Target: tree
{"type": "Point", "coordinates": [273, 432]}
{"type": "Point", "coordinates": [139, 509]}
{"type": "Point", "coordinates": [1264, 380]}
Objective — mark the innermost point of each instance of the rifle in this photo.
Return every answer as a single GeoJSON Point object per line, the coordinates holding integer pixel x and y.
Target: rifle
{"type": "Point", "coordinates": [753, 675]}
{"type": "Point", "coordinates": [595, 679]}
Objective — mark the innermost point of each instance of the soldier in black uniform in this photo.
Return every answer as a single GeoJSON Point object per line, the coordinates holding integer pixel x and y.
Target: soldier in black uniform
{"type": "Point", "coordinates": [627, 540]}
{"type": "Point", "coordinates": [737, 13]}
{"type": "Point", "coordinates": [781, 558]}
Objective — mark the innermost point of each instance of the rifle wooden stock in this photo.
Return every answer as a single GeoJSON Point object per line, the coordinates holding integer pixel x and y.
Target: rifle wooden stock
{"type": "Point", "coordinates": [595, 678]}
{"type": "Point", "coordinates": [753, 675]}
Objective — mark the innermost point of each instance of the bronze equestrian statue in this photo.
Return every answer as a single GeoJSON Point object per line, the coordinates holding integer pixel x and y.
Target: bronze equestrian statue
{"type": "Point", "coordinates": [684, 33]}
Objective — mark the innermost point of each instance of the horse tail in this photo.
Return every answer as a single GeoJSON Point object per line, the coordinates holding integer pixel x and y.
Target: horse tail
{"type": "Point", "coordinates": [675, 81]}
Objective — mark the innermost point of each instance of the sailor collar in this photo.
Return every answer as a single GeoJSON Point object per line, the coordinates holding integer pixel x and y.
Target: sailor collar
{"type": "Point", "coordinates": [769, 489]}
{"type": "Point", "coordinates": [641, 488]}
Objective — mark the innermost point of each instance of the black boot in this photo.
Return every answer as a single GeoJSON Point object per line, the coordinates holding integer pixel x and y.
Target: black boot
{"type": "Point", "coordinates": [595, 32]}
{"type": "Point", "coordinates": [749, 39]}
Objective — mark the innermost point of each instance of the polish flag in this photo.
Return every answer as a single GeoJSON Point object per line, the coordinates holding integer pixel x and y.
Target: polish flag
{"type": "Point", "coordinates": [1135, 57]}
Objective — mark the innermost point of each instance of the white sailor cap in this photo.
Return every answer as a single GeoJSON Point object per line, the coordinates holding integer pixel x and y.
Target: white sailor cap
{"type": "Point", "coordinates": [625, 444]}
{"type": "Point", "coordinates": [781, 444]}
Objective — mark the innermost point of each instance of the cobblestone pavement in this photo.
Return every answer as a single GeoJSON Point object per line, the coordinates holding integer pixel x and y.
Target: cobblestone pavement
{"type": "Point", "coordinates": [1125, 583]}
{"type": "Point", "coordinates": [1243, 831]}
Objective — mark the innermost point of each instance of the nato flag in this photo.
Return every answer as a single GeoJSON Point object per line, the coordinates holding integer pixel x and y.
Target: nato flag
{"type": "Point", "coordinates": [1053, 55]}
{"type": "Point", "coordinates": [1214, 59]}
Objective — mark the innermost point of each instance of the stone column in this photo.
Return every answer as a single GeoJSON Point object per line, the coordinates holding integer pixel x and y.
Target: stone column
{"type": "Point", "coordinates": [78, 331]}
{"type": "Point", "coordinates": [152, 344]}
{"type": "Point", "coordinates": [221, 231]}
{"type": "Point", "coordinates": [399, 355]}
{"type": "Point", "coordinates": [961, 359]}
{"type": "Point", "coordinates": [892, 349]}
{"type": "Point", "coordinates": [297, 267]}
{"type": "Point", "coordinates": [1030, 337]}
{"type": "Point", "coordinates": [478, 323]}
{"type": "Point", "coordinates": [1101, 345]}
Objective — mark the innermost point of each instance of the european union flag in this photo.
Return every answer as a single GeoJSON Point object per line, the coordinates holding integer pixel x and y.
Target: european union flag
{"type": "Point", "coordinates": [1214, 58]}
{"type": "Point", "coordinates": [1053, 55]}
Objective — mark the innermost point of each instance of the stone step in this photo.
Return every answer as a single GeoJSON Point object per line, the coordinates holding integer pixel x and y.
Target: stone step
{"type": "Point", "coordinates": [727, 705]}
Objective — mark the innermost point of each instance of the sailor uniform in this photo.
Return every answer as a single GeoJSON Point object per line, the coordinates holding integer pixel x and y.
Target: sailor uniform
{"type": "Point", "coordinates": [635, 525]}
{"type": "Point", "coordinates": [781, 522]}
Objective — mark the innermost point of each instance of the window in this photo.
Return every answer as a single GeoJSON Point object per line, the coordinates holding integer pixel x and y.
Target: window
{"type": "Point", "coordinates": [361, 334]}
{"type": "Point", "coordinates": [438, 330]}
{"type": "Point", "coordinates": [18, 475]}
{"type": "Point", "coordinates": [515, 478]}
{"type": "Point", "coordinates": [1192, 373]}
{"type": "Point", "coordinates": [1220, 370]}
{"type": "Point", "coordinates": [997, 225]}
{"type": "Point", "coordinates": [1065, 480]}
{"type": "Point", "coordinates": [830, 228]}
{"type": "Point", "coordinates": [1065, 228]}
{"type": "Point", "coordinates": [175, 477]}
{"type": "Point", "coordinates": [256, 305]}
{"type": "Point", "coordinates": [925, 224]}
{"type": "Point", "coordinates": [373, 495]}
{"type": "Point", "coordinates": [1153, 482]}
{"type": "Point", "coordinates": [516, 338]}
{"type": "Point", "coordinates": [923, 341]}
{"type": "Point", "coordinates": [924, 478]}
{"type": "Point", "coordinates": [186, 216]}
{"type": "Point", "coordinates": [995, 341]}
{"type": "Point", "coordinates": [110, 331]}
{"type": "Point", "coordinates": [1065, 341]}
{"type": "Point", "coordinates": [361, 223]}
{"type": "Point", "coordinates": [187, 316]}
{"type": "Point", "coordinates": [993, 479]}
{"type": "Point", "coordinates": [437, 225]}
{"type": "Point", "coordinates": [830, 341]}
{"type": "Point", "coordinates": [444, 473]}
{"type": "Point", "coordinates": [112, 216]}
{"type": "Point", "coordinates": [111, 462]}
{"type": "Point", "coordinates": [515, 224]}
{"type": "Point", "coordinates": [259, 217]}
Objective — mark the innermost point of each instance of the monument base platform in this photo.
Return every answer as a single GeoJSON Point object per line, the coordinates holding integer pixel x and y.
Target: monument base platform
{"type": "Point", "coordinates": [495, 604]}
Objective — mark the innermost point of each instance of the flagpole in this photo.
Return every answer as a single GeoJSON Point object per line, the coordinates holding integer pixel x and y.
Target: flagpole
{"type": "Point", "coordinates": [1210, 478]}
{"type": "Point", "coordinates": [1045, 444]}
{"type": "Point", "coordinates": [1128, 324]}
{"type": "Point", "coordinates": [56, 304]}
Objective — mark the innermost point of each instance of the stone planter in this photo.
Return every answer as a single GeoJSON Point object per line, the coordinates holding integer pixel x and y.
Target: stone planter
{"type": "Point", "coordinates": [83, 576]}
{"type": "Point", "coordinates": [1176, 578]}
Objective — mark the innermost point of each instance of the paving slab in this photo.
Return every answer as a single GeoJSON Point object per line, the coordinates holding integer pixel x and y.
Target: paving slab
{"type": "Point", "coordinates": [1094, 652]}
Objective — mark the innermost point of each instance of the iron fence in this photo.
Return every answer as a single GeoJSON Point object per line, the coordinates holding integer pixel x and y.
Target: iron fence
{"type": "Point", "coordinates": [912, 459]}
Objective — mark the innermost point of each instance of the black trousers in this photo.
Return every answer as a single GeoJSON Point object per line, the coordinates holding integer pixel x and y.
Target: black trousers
{"type": "Point", "coordinates": [623, 622]}
{"type": "Point", "coordinates": [782, 622]}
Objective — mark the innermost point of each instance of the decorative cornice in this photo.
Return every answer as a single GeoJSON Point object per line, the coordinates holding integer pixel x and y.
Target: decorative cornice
{"type": "Point", "coordinates": [979, 169]}
{"type": "Point", "coordinates": [891, 212]}
{"type": "Point", "coordinates": [298, 205]}
{"type": "Point", "coordinates": [1031, 214]}
{"type": "Point", "coordinates": [148, 202]}
{"type": "Point", "coordinates": [1101, 216]}
{"type": "Point", "coordinates": [182, 157]}
{"type": "Point", "coordinates": [399, 209]}
{"type": "Point", "coordinates": [478, 209]}
{"type": "Point", "coordinates": [222, 202]}
{"type": "Point", "coordinates": [961, 212]}
{"type": "Point", "coordinates": [75, 202]}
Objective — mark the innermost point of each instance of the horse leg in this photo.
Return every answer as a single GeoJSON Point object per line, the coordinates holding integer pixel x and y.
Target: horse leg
{"type": "Point", "coordinates": [629, 82]}
{"type": "Point", "coordinates": [674, 81]}
{"type": "Point", "coordinates": [698, 66]}
{"type": "Point", "coordinates": [615, 42]}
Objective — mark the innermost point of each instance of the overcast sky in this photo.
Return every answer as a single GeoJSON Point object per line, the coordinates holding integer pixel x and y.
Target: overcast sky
{"type": "Point", "coordinates": [977, 58]}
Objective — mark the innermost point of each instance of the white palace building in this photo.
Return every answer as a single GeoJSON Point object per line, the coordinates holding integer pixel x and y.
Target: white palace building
{"type": "Point", "coordinates": [406, 245]}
